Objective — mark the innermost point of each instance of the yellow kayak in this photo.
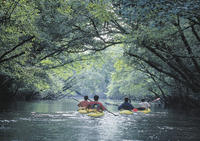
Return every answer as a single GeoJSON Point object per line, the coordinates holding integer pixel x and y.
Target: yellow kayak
{"type": "Point", "coordinates": [96, 114]}
{"type": "Point", "coordinates": [85, 111]}
{"type": "Point", "coordinates": [126, 112]}
{"type": "Point", "coordinates": [145, 111]}
{"type": "Point", "coordinates": [82, 111]}
{"type": "Point", "coordinates": [90, 112]}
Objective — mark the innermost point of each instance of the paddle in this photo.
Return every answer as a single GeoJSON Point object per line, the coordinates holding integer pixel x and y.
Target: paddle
{"type": "Point", "coordinates": [75, 99]}
{"type": "Point", "coordinates": [156, 99]}
{"type": "Point", "coordinates": [111, 104]}
{"type": "Point", "coordinates": [111, 112]}
{"type": "Point", "coordinates": [91, 100]}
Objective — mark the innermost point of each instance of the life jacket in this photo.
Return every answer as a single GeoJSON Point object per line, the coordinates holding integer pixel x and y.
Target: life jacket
{"type": "Point", "coordinates": [96, 106]}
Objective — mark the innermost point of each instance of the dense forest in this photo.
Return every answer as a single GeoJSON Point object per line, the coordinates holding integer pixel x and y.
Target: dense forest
{"type": "Point", "coordinates": [113, 48]}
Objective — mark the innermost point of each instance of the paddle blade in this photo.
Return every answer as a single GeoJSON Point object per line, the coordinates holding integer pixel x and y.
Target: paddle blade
{"type": "Point", "coordinates": [135, 110]}
{"type": "Point", "coordinates": [156, 99]}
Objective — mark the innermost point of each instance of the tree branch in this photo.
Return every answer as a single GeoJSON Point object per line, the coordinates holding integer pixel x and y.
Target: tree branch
{"type": "Point", "coordinates": [12, 57]}
{"type": "Point", "coordinates": [14, 48]}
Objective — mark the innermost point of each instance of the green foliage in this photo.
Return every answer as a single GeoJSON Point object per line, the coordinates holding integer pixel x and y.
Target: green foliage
{"type": "Point", "coordinates": [163, 43]}
{"type": "Point", "coordinates": [101, 9]}
{"type": "Point", "coordinates": [54, 45]}
{"type": "Point", "coordinates": [126, 81]}
{"type": "Point", "coordinates": [95, 76]}
{"type": "Point", "coordinates": [44, 43]}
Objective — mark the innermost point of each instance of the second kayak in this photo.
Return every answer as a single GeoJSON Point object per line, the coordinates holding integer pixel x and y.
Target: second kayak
{"type": "Point", "coordinates": [96, 114]}
{"type": "Point", "coordinates": [142, 111]}
{"type": "Point", "coordinates": [126, 112]}
{"type": "Point", "coordinates": [82, 111]}
{"type": "Point", "coordinates": [85, 111]}
{"type": "Point", "coordinates": [145, 111]}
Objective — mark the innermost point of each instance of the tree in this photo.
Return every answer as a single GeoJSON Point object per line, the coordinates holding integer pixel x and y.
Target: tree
{"type": "Point", "coordinates": [165, 36]}
{"type": "Point", "coordinates": [45, 34]}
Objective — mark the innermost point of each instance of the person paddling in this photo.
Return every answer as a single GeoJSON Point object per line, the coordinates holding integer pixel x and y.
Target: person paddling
{"type": "Point", "coordinates": [96, 104]}
{"type": "Point", "coordinates": [126, 105]}
{"type": "Point", "coordinates": [84, 104]}
{"type": "Point", "coordinates": [143, 105]}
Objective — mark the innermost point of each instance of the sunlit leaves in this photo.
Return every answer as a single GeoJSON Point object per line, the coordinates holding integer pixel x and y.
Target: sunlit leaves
{"type": "Point", "coordinates": [127, 81]}
{"type": "Point", "coordinates": [101, 9]}
{"type": "Point", "coordinates": [42, 86]}
{"type": "Point", "coordinates": [65, 8]}
{"type": "Point", "coordinates": [47, 62]}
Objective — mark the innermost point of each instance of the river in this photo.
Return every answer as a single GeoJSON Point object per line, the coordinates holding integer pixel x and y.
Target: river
{"type": "Point", "coordinates": [60, 121]}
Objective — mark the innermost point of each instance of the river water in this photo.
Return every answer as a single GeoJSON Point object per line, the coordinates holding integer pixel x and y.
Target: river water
{"type": "Point", "coordinates": [60, 121]}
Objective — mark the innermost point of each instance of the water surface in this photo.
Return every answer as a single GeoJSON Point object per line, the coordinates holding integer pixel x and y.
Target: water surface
{"type": "Point", "coordinates": [60, 121]}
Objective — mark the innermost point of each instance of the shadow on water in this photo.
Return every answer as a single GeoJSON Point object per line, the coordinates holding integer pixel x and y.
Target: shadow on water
{"type": "Point", "coordinates": [60, 121]}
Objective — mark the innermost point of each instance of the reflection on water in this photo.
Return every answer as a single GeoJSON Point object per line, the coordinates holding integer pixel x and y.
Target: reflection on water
{"type": "Point", "coordinates": [59, 121]}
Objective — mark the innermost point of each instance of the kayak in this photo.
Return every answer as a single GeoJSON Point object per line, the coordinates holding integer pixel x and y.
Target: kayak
{"type": "Point", "coordinates": [90, 112]}
{"type": "Point", "coordinates": [85, 111]}
{"type": "Point", "coordinates": [82, 111]}
{"type": "Point", "coordinates": [142, 111]}
{"type": "Point", "coordinates": [126, 112]}
{"type": "Point", "coordinates": [96, 114]}
{"type": "Point", "coordinates": [145, 111]}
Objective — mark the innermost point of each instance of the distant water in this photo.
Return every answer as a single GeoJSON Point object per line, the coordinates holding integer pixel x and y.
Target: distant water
{"type": "Point", "coordinates": [60, 121]}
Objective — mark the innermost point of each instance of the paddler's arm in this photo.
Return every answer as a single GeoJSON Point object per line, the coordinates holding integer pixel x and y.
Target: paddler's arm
{"type": "Point", "coordinates": [148, 105]}
{"type": "Point", "coordinates": [88, 106]}
{"type": "Point", "coordinates": [103, 108]}
{"type": "Point", "coordinates": [132, 107]}
{"type": "Point", "coordinates": [120, 107]}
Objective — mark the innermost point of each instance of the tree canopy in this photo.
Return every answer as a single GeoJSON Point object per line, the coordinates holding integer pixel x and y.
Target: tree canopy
{"type": "Point", "coordinates": [59, 45]}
